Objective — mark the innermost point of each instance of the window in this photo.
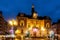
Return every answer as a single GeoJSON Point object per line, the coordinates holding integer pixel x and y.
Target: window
{"type": "Point", "coordinates": [47, 25]}
{"type": "Point", "coordinates": [21, 23]}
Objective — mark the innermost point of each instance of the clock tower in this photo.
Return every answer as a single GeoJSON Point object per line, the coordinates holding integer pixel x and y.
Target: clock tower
{"type": "Point", "coordinates": [34, 13]}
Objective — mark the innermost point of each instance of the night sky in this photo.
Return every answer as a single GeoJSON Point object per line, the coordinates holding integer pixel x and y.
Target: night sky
{"type": "Point", "coordinates": [11, 8]}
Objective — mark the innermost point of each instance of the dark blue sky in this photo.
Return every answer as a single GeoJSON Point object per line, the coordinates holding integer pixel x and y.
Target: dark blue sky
{"type": "Point", "coordinates": [11, 8]}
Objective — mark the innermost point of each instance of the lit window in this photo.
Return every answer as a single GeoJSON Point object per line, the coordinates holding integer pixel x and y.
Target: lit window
{"type": "Point", "coordinates": [47, 25]}
{"type": "Point", "coordinates": [21, 23]}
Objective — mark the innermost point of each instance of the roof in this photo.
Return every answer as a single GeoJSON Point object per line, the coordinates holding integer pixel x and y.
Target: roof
{"type": "Point", "coordinates": [30, 16]}
{"type": "Point", "coordinates": [47, 17]}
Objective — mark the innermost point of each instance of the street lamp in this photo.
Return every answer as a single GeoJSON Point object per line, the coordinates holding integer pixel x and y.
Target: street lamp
{"type": "Point", "coordinates": [12, 23]}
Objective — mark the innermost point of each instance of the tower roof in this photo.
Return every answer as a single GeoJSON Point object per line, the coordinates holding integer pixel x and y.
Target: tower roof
{"type": "Point", "coordinates": [33, 9]}
{"type": "Point", "coordinates": [32, 5]}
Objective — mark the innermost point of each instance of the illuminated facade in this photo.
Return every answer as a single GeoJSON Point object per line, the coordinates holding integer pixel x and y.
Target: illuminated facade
{"type": "Point", "coordinates": [33, 23]}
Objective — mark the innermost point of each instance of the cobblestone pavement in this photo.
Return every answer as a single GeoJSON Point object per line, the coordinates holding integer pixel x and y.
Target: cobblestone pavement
{"type": "Point", "coordinates": [34, 39]}
{"type": "Point", "coordinates": [26, 39]}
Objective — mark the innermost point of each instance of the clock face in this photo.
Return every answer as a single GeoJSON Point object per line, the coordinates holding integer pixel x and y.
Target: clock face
{"type": "Point", "coordinates": [35, 15]}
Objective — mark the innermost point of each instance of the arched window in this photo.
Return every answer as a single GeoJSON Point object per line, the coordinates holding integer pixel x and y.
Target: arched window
{"type": "Point", "coordinates": [21, 23]}
{"type": "Point", "coordinates": [47, 25]}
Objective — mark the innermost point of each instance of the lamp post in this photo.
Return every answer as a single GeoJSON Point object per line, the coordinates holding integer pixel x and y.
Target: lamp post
{"type": "Point", "coordinates": [12, 23]}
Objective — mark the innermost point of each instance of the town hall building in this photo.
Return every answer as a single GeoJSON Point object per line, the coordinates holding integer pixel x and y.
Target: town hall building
{"type": "Point", "coordinates": [34, 24]}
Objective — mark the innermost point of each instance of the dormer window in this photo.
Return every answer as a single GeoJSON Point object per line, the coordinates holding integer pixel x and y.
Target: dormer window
{"type": "Point", "coordinates": [21, 15]}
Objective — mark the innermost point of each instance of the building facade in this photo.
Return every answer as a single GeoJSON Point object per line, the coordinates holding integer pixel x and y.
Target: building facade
{"type": "Point", "coordinates": [3, 24]}
{"type": "Point", "coordinates": [56, 28]}
{"type": "Point", "coordinates": [34, 24]}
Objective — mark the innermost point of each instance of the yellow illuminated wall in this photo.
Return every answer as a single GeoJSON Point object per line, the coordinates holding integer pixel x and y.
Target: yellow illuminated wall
{"type": "Point", "coordinates": [30, 23]}
{"type": "Point", "coordinates": [35, 23]}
